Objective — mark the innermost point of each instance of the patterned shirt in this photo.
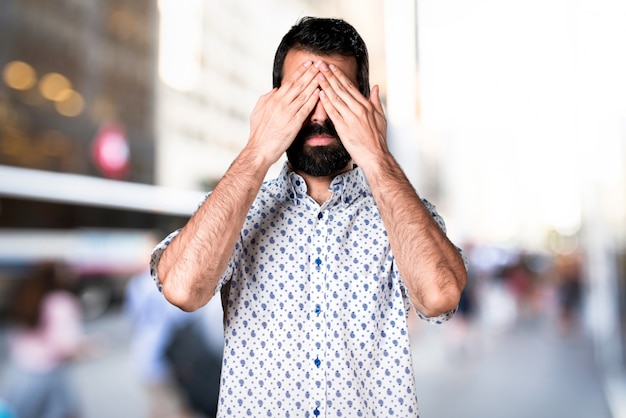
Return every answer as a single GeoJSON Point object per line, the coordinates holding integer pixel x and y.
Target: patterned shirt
{"type": "Point", "coordinates": [315, 308]}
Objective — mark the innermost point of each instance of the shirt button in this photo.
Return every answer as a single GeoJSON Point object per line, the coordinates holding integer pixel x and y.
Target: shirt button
{"type": "Point", "coordinates": [318, 261]}
{"type": "Point", "coordinates": [317, 362]}
{"type": "Point", "coordinates": [320, 215]}
{"type": "Point", "coordinates": [318, 309]}
{"type": "Point", "coordinates": [316, 412]}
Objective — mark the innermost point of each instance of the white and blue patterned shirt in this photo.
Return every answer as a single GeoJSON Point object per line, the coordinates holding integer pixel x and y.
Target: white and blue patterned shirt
{"type": "Point", "coordinates": [316, 310]}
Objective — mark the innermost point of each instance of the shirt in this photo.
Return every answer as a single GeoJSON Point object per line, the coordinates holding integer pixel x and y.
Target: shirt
{"type": "Point", "coordinates": [315, 308]}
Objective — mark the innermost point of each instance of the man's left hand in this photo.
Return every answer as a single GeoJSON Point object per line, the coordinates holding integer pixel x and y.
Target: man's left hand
{"type": "Point", "coordinates": [360, 122]}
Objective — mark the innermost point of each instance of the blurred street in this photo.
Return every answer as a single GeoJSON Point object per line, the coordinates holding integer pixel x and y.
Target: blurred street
{"type": "Point", "coordinates": [108, 385]}
{"type": "Point", "coordinates": [529, 370]}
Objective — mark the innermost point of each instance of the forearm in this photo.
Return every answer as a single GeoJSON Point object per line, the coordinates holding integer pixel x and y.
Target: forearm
{"type": "Point", "coordinates": [191, 266]}
{"type": "Point", "coordinates": [431, 266]}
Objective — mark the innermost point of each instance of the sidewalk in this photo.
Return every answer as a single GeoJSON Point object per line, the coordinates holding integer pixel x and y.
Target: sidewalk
{"type": "Point", "coordinates": [528, 371]}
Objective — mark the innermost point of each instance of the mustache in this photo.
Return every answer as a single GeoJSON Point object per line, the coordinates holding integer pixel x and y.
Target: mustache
{"type": "Point", "coordinates": [326, 128]}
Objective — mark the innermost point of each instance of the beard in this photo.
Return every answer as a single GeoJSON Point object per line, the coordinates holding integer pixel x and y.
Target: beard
{"type": "Point", "coordinates": [318, 161]}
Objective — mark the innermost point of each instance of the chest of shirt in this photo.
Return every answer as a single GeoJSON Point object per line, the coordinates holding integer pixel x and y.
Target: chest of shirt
{"type": "Point", "coordinates": [292, 255]}
{"type": "Point", "coordinates": [300, 239]}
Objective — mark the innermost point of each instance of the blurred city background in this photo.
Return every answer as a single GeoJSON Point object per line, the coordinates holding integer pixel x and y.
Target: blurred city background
{"type": "Point", "coordinates": [116, 116]}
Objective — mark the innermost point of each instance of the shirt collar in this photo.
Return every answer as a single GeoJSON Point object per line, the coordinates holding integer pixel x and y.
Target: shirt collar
{"type": "Point", "coordinates": [291, 188]}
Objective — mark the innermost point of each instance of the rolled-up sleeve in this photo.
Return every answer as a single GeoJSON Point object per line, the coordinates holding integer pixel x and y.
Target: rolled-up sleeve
{"type": "Point", "coordinates": [155, 257]}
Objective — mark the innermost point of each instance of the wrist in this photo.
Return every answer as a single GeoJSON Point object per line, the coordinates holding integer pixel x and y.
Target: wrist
{"type": "Point", "coordinates": [378, 166]}
{"type": "Point", "coordinates": [254, 159]}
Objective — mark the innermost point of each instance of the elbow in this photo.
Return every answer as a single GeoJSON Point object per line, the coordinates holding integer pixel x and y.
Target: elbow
{"type": "Point", "coordinates": [178, 296]}
{"type": "Point", "coordinates": [180, 299]}
{"type": "Point", "coordinates": [439, 304]}
{"type": "Point", "coordinates": [177, 286]}
{"type": "Point", "coordinates": [444, 299]}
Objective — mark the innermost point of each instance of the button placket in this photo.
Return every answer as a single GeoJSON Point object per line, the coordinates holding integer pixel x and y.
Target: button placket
{"type": "Point", "coordinates": [317, 316]}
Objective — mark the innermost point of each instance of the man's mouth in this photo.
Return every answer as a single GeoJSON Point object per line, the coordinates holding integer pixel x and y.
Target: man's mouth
{"type": "Point", "coordinates": [319, 140]}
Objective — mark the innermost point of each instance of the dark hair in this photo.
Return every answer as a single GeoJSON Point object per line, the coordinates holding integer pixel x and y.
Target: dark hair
{"type": "Point", "coordinates": [325, 36]}
{"type": "Point", "coordinates": [38, 282]}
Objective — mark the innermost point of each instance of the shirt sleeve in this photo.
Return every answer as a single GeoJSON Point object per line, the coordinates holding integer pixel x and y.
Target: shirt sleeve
{"type": "Point", "coordinates": [155, 257]}
{"type": "Point", "coordinates": [446, 316]}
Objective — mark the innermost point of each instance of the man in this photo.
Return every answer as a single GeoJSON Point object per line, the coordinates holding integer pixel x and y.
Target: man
{"type": "Point", "coordinates": [318, 268]}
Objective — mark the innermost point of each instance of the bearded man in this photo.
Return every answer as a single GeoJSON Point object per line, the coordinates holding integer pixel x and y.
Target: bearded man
{"type": "Point", "coordinates": [318, 268]}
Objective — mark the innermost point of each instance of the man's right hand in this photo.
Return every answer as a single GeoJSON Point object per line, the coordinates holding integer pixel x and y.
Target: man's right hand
{"type": "Point", "coordinates": [278, 115]}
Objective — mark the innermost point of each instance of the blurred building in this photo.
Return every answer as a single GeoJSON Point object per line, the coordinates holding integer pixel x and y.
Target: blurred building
{"type": "Point", "coordinates": [77, 95]}
{"type": "Point", "coordinates": [70, 70]}
{"type": "Point", "coordinates": [77, 112]}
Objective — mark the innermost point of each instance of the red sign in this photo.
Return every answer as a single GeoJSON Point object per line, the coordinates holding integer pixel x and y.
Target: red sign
{"type": "Point", "coordinates": [110, 151]}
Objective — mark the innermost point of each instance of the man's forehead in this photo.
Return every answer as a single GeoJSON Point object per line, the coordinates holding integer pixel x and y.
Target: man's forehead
{"type": "Point", "coordinates": [296, 57]}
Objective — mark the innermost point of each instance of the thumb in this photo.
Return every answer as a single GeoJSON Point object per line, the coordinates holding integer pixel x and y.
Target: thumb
{"type": "Point", "coordinates": [375, 98]}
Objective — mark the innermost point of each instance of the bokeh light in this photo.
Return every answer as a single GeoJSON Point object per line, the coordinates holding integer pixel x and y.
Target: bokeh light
{"type": "Point", "coordinates": [69, 103]}
{"type": "Point", "coordinates": [19, 75]}
{"type": "Point", "coordinates": [54, 86]}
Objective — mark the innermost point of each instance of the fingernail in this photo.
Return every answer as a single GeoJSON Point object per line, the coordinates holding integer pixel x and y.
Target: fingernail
{"type": "Point", "coordinates": [332, 66]}
{"type": "Point", "coordinates": [323, 66]}
{"type": "Point", "coordinates": [307, 63]}
{"type": "Point", "coordinates": [318, 63]}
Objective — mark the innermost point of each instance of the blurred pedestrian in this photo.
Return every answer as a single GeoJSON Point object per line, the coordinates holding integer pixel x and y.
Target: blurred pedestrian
{"type": "Point", "coordinates": [569, 291]}
{"type": "Point", "coordinates": [521, 283]}
{"type": "Point", "coordinates": [461, 330]}
{"type": "Point", "coordinates": [318, 268]}
{"type": "Point", "coordinates": [45, 335]}
{"type": "Point", "coordinates": [498, 304]}
{"type": "Point", "coordinates": [164, 337]}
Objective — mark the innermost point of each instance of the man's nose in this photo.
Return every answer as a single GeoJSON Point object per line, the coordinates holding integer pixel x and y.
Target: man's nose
{"type": "Point", "coordinates": [318, 115]}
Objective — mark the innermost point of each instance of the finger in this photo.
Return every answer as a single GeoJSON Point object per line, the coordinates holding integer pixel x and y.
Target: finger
{"type": "Point", "coordinates": [310, 88]}
{"type": "Point", "coordinates": [343, 86]}
{"type": "Point", "coordinates": [330, 84]}
{"type": "Point", "coordinates": [378, 107]}
{"type": "Point", "coordinates": [331, 98]}
{"type": "Point", "coordinates": [333, 106]}
{"type": "Point", "coordinates": [375, 100]}
{"type": "Point", "coordinates": [308, 105]}
{"type": "Point", "coordinates": [340, 104]}
{"type": "Point", "coordinates": [302, 104]}
{"type": "Point", "coordinates": [299, 80]}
